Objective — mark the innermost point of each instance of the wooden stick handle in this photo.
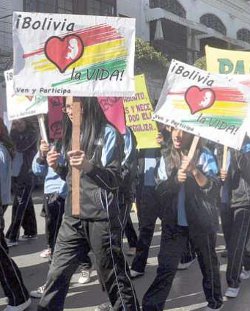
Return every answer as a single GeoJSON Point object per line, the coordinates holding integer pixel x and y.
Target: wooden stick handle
{"type": "Point", "coordinates": [76, 111]}
{"type": "Point", "coordinates": [224, 159]}
{"type": "Point", "coordinates": [193, 147]}
{"type": "Point", "coordinates": [42, 127]}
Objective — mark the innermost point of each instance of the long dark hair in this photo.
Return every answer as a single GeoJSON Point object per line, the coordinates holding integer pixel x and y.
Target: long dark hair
{"type": "Point", "coordinates": [6, 140]}
{"type": "Point", "coordinates": [91, 126]}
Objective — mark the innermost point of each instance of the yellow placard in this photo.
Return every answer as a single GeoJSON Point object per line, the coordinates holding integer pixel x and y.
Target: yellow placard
{"type": "Point", "coordinates": [227, 61]}
{"type": "Point", "coordinates": [139, 112]}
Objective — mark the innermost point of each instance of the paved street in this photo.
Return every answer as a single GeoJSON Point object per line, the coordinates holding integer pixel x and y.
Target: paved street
{"type": "Point", "coordinates": [186, 294]}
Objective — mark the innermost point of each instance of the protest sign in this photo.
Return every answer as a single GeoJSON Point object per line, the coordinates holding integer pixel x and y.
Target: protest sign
{"type": "Point", "coordinates": [208, 105]}
{"type": "Point", "coordinates": [23, 106]}
{"type": "Point", "coordinates": [73, 55]}
{"type": "Point", "coordinates": [227, 61]}
{"type": "Point", "coordinates": [55, 118]}
{"type": "Point", "coordinates": [139, 111]}
{"type": "Point", "coordinates": [114, 112]}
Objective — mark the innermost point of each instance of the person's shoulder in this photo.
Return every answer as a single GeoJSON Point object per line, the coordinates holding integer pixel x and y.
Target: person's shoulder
{"type": "Point", "coordinates": [205, 151]}
{"type": "Point", "coordinates": [4, 152]}
{"type": "Point", "coordinates": [110, 132]}
{"type": "Point", "coordinates": [245, 148]}
{"type": "Point", "coordinates": [108, 128]}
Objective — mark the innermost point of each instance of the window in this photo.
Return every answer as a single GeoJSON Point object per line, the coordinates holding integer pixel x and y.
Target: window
{"type": "Point", "coordinates": [172, 6]}
{"type": "Point", "coordinates": [212, 21]}
{"type": "Point", "coordinates": [244, 35]}
{"type": "Point", "coordinates": [94, 7]}
{"type": "Point", "coordinates": [30, 6]}
{"type": "Point", "coordinates": [101, 7]}
{"type": "Point", "coordinates": [49, 6]}
{"type": "Point", "coordinates": [45, 6]}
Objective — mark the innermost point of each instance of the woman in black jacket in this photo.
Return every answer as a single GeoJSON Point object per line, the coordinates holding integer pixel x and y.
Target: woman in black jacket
{"type": "Point", "coordinates": [98, 227]}
{"type": "Point", "coordinates": [188, 192]}
{"type": "Point", "coordinates": [238, 178]}
{"type": "Point", "coordinates": [10, 276]}
{"type": "Point", "coordinates": [24, 137]}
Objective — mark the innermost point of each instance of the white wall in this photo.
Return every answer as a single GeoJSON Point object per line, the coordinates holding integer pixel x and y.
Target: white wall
{"type": "Point", "coordinates": [233, 16]}
{"type": "Point", "coordinates": [135, 8]}
{"type": "Point", "coordinates": [6, 8]}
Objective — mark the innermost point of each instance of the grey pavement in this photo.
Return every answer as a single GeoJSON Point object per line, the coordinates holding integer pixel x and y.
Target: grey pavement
{"type": "Point", "coordinates": [186, 293]}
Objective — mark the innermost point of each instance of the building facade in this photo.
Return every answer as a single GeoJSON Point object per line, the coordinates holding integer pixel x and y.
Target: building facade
{"type": "Point", "coordinates": [182, 28]}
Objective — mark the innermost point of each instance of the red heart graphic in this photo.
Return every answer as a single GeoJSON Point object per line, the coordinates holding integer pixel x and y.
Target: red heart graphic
{"type": "Point", "coordinates": [63, 51]}
{"type": "Point", "coordinates": [199, 99]}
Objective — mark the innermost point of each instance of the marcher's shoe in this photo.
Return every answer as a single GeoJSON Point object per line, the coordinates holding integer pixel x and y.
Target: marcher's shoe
{"type": "Point", "coordinates": [186, 265]}
{"type": "Point", "coordinates": [106, 306]}
{"type": "Point", "coordinates": [27, 237]}
{"type": "Point", "coordinates": [37, 293]}
{"type": "Point", "coordinates": [131, 251]}
{"type": "Point", "coordinates": [84, 276]}
{"type": "Point", "coordinates": [135, 274]}
{"type": "Point", "coordinates": [45, 253]}
{"type": "Point", "coordinates": [210, 309]}
{"type": "Point", "coordinates": [21, 307]}
{"type": "Point", "coordinates": [11, 243]}
{"type": "Point", "coordinates": [245, 274]}
{"type": "Point", "coordinates": [232, 292]}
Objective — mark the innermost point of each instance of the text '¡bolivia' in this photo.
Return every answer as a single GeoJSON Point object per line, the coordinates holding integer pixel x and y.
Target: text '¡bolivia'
{"type": "Point", "coordinates": [45, 24]}
{"type": "Point", "coordinates": [197, 76]}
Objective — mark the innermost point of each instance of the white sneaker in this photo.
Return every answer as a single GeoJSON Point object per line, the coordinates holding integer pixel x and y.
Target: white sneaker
{"type": "Point", "coordinates": [131, 251]}
{"type": "Point", "coordinates": [45, 253]}
{"type": "Point", "coordinates": [245, 274]}
{"type": "Point", "coordinates": [106, 306]}
{"type": "Point", "coordinates": [21, 307]}
{"type": "Point", "coordinates": [27, 237]}
{"type": "Point", "coordinates": [85, 276]}
{"type": "Point", "coordinates": [232, 292]}
{"type": "Point", "coordinates": [135, 274]}
{"type": "Point", "coordinates": [11, 243]}
{"type": "Point", "coordinates": [37, 293]}
{"type": "Point", "coordinates": [184, 266]}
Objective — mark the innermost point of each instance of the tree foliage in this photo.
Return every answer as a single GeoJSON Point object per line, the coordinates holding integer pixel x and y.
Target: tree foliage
{"type": "Point", "coordinates": [201, 63]}
{"type": "Point", "coordinates": [148, 60]}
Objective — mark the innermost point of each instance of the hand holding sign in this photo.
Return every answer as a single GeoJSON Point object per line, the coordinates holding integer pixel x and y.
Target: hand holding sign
{"type": "Point", "coordinates": [52, 158]}
{"type": "Point", "coordinates": [44, 148]}
{"type": "Point", "coordinates": [78, 160]}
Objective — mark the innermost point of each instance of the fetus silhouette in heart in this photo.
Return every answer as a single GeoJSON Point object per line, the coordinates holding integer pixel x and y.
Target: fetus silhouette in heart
{"type": "Point", "coordinates": [199, 99]}
{"type": "Point", "coordinates": [63, 52]}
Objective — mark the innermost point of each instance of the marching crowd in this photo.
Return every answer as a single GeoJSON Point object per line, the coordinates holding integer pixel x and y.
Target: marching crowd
{"type": "Point", "coordinates": [186, 193]}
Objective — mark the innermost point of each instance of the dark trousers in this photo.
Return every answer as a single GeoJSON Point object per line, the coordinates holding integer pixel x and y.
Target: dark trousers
{"type": "Point", "coordinates": [74, 240]}
{"type": "Point", "coordinates": [148, 210]}
{"type": "Point", "coordinates": [10, 276]}
{"type": "Point", "coordinates": [127, 225]}
{"type": "Point", "coordinates": [23, 213]}
{"type": "Point", "coordinates": [189, 253]}
{"type": "Point", "coordinates": [54, 210]}
{"type": "Point", "coordinates": [130, 233]}
{"type": "Point", "coordinates": [237, 253]}
{"type": "Point", "coordinates": [227, 216]}
{"type": "Point", "coordinates": [173, 242]}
